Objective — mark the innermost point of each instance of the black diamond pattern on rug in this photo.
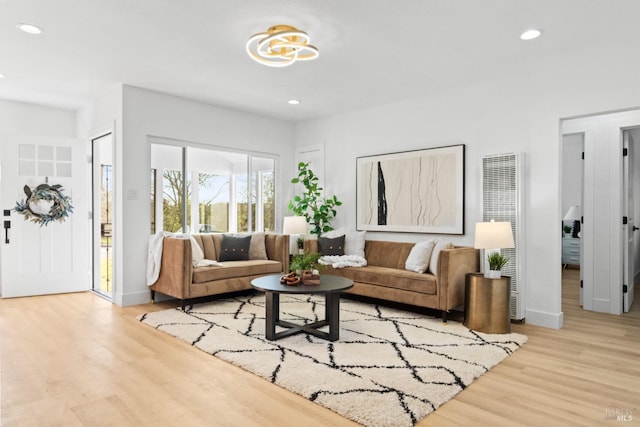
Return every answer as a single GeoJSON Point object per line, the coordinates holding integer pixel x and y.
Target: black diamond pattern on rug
{"type": "Point", "coordinates": [389, 368]}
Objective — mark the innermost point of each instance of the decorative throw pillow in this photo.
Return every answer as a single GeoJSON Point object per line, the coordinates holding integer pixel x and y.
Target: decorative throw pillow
{"type": "Point", "coordinates": [234, 248]}
{"type": "Point", "coordinates": [196, 251]}
{"type": "Point", "coordinates": [354, 243]}
{"type": "Point", "coordinates": [334, 233]}
{"type": "Point", "coordinates": [257, 248]}
{"type": "Point", "coordinates": [327, 246]}
{"type": "Point", "coordinates": [433, 263]}
{"type": "Point", "coordinates": [419, 257]}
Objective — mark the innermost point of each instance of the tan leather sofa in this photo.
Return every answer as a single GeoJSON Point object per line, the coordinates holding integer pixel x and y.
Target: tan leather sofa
{"type": "Point", "coordinates": [179, 279]}
{"type": "Point", "coordinates": [386, 278]}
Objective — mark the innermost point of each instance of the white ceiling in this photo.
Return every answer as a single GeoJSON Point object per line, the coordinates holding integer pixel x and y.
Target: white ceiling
{"type": "Point", "coordinates": [371, 51]}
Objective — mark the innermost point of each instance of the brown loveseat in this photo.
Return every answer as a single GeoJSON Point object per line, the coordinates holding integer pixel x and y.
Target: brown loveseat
{"type": "Point", "coordinates": [386, 278]}
{"type": "Point", "coordinates": [179, 279]}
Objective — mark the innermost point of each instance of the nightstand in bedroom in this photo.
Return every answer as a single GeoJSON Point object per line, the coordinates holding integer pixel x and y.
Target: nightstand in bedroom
{"type": "Point", "coordinates": [570, 251]}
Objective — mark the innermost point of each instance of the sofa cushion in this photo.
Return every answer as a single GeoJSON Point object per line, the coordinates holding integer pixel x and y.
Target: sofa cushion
{"type": "Point", "coordinates": [353, 240]}
{"type": "Point", "coordinates": [206, 244]}
{"type": "Point", "coordinates": [235, 248]}
{"type": "Point", "coordinates": [233, 269]}
{"type": "Point", "coordinates": [387, 254]}
{"type": "Point", "coordinates": [257, 248]}
{"type": "Point", "coordinates": [331, 246]}
{"type": "Point", "coordinates": [418, 259]}
{"type": "Point", "coordinates": [354, 243]}
{"type": "Point", "coordinates": [389, 277]}
{"type": "Point", "coordinates": [433, 263]}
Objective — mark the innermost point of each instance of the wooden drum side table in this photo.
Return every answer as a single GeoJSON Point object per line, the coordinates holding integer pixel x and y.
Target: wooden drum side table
{"type": "Point", "coordinates": [487, 304]}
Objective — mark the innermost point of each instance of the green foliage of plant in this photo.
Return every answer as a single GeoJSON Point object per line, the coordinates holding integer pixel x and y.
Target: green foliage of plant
{"type": "Point", "coordinates": [306, 261]}
{"type": "Point", "coordinates": [567, 229]}
{"type": "Point", "coordinates": [497, 261]}
{"type": "Point", "coordinates": [318, 211]}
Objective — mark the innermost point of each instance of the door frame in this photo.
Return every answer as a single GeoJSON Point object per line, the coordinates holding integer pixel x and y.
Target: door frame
{"type": "Point", "coordinates": [96, 133]}
{"type": "Point", "coordinates": [603, 232]}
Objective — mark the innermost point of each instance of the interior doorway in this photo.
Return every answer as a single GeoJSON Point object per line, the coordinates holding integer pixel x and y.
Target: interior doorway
{"type": "Point", "coordinates": [631, 201]}
{"type": "Point", "coordinates": [572, 203]}
{"type": "Point", "coordinates": [609, 250]}
{"type": "Point", "coordinates": [102, 191]}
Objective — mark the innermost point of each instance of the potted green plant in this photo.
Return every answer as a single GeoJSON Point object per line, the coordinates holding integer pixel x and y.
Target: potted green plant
{"type": "Point", "coordinates": [305, 262]}
{"type": "Point", "coordinates": [496, 262]}
{"type": "Point", "coordinates": [318, 210]}
{"type": "Point", "coordinates": [567, 229]}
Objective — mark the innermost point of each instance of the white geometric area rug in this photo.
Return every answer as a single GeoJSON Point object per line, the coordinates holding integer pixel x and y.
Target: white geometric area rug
{"type": "Point", "coordinates": [389, 367]}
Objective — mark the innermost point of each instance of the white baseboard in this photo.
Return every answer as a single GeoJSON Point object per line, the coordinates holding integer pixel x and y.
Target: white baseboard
{"type": "Point", "coordinates": [133, 298]}
{"type": "Point", "coordinates": [548, 320]}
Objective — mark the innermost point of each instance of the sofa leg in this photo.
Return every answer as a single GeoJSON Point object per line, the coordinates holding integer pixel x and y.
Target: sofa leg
{"type": "Point", "coordinates": [153, 296]}
{"type": "Point", "coordinates": [444, 316]}
{"type": "Point", "coordinates": [182, 305]}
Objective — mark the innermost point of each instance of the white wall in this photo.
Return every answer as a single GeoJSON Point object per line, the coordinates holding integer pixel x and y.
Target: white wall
{"type": "Point", "coordinates": [147, 113]}
{"type": "Point", "coordinates": [18, 118]}
{"type": "Point", "coordinates": [521, 114]}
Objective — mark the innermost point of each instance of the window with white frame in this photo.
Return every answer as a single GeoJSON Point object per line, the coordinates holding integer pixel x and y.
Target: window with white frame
{"type": "Point", "coordinates": [211, 190]}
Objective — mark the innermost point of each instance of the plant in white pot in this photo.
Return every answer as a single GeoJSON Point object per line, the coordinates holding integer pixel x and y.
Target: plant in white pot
{"type": "Point", "coordinates": [496, 262]}
{"type": "Point", "coordinates": [491, 236]}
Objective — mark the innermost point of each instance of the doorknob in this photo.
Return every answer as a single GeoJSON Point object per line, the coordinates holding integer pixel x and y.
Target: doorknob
{"type": "Point", "coordinates": [635, 228]}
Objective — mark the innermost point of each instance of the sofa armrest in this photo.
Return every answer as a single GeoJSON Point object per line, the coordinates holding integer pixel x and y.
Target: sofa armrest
{"type": "Point", "coordinates": [277, 246]}
{"type": "Point", "coordinates": [176, 269]}
{"type": "Point", "coordinates": [310, 246]}
{"type": "Point", "coordinates": [453, 266]}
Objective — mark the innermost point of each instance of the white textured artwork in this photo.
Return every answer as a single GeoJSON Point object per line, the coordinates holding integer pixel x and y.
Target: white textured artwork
{"type": "Point", "coordinates": [413, 191]}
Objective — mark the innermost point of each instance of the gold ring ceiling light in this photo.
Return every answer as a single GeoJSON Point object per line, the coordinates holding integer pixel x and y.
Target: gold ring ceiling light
{"type": "Point", "coordinates": [280, 46]}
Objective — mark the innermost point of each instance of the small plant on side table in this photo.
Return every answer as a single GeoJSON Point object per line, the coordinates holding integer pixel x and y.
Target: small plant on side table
{"type": "Point", "coordinates": [496, 262]}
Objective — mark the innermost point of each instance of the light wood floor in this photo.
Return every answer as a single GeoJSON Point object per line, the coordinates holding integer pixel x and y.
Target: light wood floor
{"type": "Point", "coordinates": [77, 360]}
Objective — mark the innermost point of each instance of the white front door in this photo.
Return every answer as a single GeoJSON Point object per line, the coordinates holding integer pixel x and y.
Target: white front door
{"type": "Point", "coordinates": [43, 259]}
{"type": "Point", "coordinates": [628, 240]}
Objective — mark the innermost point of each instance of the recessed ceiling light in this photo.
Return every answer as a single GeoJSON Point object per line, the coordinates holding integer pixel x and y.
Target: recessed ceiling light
{"type": "Point", "coordinates": [29, 28]}
{"type": "Point", "coordinates": [293, 102]}
{"type": "Point", "coordinates": [530, 34]}
{"type": "Point", "coordinates": [2, 76]}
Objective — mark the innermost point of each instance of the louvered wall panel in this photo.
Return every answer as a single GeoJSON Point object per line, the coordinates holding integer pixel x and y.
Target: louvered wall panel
{"type": "Point", "coordinates": [502, 188]}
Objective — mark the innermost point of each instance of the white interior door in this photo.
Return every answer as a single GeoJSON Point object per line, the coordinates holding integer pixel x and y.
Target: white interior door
{"type": "Point", "coordinates": [628, 241]}
{"type": "Point", "coordinates": [44, 259]}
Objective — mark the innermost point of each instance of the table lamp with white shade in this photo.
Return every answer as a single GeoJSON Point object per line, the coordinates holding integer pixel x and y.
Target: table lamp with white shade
{"type": "Point", "coordinates": [492, 236]}
{"type": "Point", "coordinates": [294, 225]}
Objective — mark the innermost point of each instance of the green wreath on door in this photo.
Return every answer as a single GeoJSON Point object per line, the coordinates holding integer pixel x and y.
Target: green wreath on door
{"type": "Point", "coordinates": [57, 206]}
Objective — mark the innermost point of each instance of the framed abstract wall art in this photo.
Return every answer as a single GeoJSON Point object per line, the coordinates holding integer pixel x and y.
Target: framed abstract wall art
{"type": "Point", "coordinates": [419, 191]}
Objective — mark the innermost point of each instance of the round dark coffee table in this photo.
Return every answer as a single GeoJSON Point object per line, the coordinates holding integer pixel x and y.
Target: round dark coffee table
{"type": "Point", "coordinates": [330, 286]}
